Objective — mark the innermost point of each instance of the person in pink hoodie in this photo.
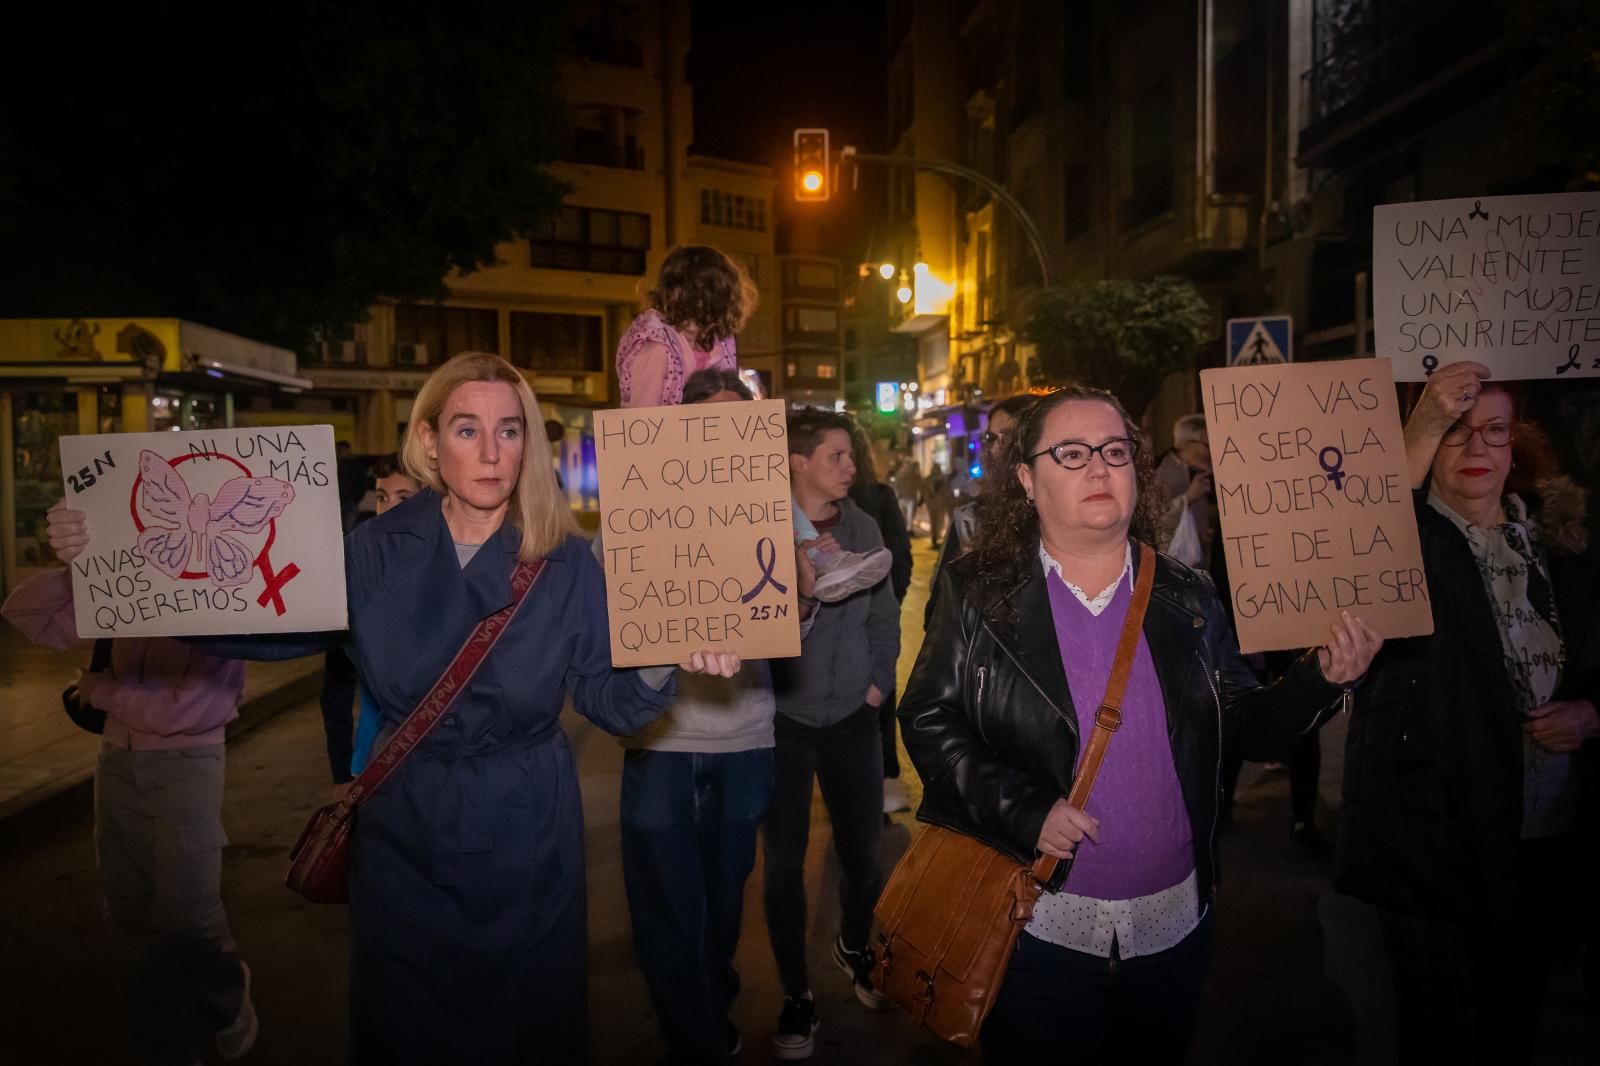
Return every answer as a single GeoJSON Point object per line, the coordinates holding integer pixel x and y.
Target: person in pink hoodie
{"type": "Point", "coordinates": [157, 822]}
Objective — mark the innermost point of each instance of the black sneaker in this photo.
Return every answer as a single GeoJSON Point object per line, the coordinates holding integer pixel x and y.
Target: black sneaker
{"type": "Point", "coordinates": [857, 966]}
{"type": "Point", "coordinates": [797, 1028]}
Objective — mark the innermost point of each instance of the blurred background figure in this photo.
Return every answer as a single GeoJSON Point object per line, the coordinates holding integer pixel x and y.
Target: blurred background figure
{"type": "Point", "coordinates": [878, 502]}
{"type": "Point", "coordinates": [347, 749]}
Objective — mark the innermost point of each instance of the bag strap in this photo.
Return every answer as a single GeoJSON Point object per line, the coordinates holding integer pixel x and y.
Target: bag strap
{"type": "Point", "coordinates": [451, 684]}
{"type": "Point", "coordinates": [1109, 717]}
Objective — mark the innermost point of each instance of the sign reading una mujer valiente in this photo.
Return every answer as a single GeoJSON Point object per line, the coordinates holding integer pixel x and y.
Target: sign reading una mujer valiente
{"type": "Point", "coordinates": [696, 531]}
{"type": "Point", "coordinates": [1509, 281]}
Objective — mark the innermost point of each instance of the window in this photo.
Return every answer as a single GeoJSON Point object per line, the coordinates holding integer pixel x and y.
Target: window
{"type": "Point", "coordinates": [1075, 217]}
{"type": "Point", "coordinates": [1237, 100]}
{"type": "Point", "coordinates": [583, 238]}
{"type": "Point", "coordinates": [568, 343]}
{"type": "Point", "coordinates": [732, 211]}
{"type": "Point", "coordinates": [443, 331]}
{"type": "Point", "coordinates": [1025, 94]}
{"type": "Point", "coordinates": [1149, 139]}
{"type": "Point", "coordinates": [607, 33]}
{"type": "Point", "coordinates": [821, 323]}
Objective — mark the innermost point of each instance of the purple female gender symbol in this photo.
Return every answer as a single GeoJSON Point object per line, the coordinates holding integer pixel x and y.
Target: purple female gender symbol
{"type": "Point", "coordinates": [1335, 469]}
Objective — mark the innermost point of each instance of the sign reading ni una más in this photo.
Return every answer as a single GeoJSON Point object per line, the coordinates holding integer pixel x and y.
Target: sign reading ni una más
{"type": "Point", "coordinates": [206, 532]}
{"type": "Point", "coordinates": [696, 531]}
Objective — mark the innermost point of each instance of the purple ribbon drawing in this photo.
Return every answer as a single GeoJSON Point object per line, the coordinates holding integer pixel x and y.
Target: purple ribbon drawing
{"type": "Point", "coordinates": [767, 564]}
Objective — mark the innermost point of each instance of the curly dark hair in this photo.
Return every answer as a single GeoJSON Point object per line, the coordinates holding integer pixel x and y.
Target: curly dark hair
{"type": "Point", "coordinates": [706, 288]}
{"type": "Point", "coordinates": [1007, 541]}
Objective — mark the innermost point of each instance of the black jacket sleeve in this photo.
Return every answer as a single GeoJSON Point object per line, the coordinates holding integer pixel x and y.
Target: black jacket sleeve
{"type": "Point", "coordinates": [960, 773]}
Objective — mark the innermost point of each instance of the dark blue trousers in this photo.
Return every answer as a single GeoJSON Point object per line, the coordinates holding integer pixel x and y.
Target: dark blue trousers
{"type": "Point", "coordinates": [1060, 1005]}
{"type": "Point", "coordinates": [689, 824]}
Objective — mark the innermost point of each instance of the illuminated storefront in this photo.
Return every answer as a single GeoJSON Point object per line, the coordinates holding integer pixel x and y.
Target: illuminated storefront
{"type": "Point", "coordinates": [109, 375]}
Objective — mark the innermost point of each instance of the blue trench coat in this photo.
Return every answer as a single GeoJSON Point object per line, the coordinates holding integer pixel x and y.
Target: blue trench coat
{"type": "Point", "coordinates": [468, 922]}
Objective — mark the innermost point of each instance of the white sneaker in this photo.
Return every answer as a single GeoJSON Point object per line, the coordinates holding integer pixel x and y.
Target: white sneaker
{"type": "Point", "coordinates": [797, 1029]}
{"type": "Point", "coordinates": [240, 1035]}
{"type": "Point", "coordinates": [895, 796]}
{"type": "Point", "coordinates": [847, 573]}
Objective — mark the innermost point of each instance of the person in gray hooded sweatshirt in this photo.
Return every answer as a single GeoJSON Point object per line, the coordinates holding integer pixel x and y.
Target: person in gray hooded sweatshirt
{"type": "Point", "coordinates": [827, 730]}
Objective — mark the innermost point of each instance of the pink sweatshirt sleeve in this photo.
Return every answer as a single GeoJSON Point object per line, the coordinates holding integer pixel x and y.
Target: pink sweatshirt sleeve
{"type": "Point", "coordinates": [42, 608]}
{"type": "Point", "coordinates": [172, 689]}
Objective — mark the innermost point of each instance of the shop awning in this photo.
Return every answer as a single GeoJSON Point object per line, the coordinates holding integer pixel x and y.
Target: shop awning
{"type": "Point", "coordinates": [221, 355]}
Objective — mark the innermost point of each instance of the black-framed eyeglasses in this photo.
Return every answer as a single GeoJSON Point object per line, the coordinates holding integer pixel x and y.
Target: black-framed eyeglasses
{"type": "Point", "coordinates": [1075, 454]}
{"type": "Point", "coordinates": [1495, 434]}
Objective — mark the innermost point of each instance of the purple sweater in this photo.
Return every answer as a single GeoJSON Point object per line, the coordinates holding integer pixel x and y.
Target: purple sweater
{"type": "Point", "coordinates": [1146, 844]}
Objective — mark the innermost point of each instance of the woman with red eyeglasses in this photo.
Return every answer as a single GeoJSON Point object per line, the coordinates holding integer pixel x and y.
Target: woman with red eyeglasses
{"type": "Point", "coordinates": [1469, 767]}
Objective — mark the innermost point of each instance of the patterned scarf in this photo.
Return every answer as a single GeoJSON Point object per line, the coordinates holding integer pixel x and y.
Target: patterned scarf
{"type": "Point", "coordinates": [1510, 561]}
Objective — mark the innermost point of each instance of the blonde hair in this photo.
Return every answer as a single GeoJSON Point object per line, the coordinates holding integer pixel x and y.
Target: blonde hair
{"type": "Point", "coordinates": [538, 509]}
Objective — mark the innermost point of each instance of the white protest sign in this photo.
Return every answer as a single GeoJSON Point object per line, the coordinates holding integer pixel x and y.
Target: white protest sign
{"type": "Point", "coordinates": [696, 531]}
{"type": "Point", "coordinates": [1312, 488]}
{"type": "Point", "coordinates": [1512, 282]}
{"type": "Point", "coordinates": [206, 532]}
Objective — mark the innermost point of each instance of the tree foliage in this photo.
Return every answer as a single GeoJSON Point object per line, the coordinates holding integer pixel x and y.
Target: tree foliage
{"type": "Point", "coordinates": [1118, 334]}
{"type": "Point", "coordinates": [272, 169]}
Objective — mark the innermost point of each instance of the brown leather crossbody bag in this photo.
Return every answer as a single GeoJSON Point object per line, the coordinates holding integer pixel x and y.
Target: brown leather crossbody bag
{"type": "Point", "coordinates": [954, 906]}
{"type": "Point", "coordinates": [319, 865]}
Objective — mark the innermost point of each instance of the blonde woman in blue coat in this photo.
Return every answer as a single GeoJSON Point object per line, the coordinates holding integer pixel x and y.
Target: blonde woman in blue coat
{"type": "Point", "coordinates": [468, 923]}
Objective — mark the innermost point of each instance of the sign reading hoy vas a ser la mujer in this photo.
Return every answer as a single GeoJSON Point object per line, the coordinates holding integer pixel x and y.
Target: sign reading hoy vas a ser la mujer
{"type": "Point", "coordinates": [1314, 495]}
{"type": "Point", "coordinates": [206, 532]}
{"type": "Point", "coordinates": [696, 531]}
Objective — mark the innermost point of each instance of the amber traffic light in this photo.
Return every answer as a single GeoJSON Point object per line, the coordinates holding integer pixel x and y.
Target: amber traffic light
{"type": "Point", "coordinates": [811, 168]}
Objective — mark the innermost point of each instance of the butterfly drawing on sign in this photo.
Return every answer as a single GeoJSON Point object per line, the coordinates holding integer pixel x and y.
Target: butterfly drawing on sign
{"type": "Point", "coordinates": [202, 524]}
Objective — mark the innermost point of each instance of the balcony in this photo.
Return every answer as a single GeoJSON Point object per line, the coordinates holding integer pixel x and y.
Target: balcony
{"type": "Point", "coordinates": [1381, 66]}
{"type": "Point", "coordinates": [591, 152]}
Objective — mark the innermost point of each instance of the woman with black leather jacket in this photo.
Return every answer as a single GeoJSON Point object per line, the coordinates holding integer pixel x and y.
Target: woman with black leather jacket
{"type": "Point", "coordinates": [1015, 664]}
{"type": "Point", "coordinates": [1469, 816]}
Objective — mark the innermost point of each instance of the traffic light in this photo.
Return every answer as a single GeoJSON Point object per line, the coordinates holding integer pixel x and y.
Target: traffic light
{"type": "Point", "coordinates": [811, 167]}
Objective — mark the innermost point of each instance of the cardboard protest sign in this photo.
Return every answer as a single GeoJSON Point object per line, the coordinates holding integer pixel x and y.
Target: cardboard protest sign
{"type": "Point", "coordinates": [1310, 472]}
{"type": "Point", "coordinates": [209, 531]}
{"type": "Point", "coordinates": [1510, 281]}
{"type": "Point", "coordinates": [697, 532]}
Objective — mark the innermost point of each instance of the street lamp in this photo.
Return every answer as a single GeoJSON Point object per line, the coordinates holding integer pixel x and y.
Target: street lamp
{"type": "Point", "coordinates": [904, 294]}
{"type": "Point", "coordinates": [886, 271]}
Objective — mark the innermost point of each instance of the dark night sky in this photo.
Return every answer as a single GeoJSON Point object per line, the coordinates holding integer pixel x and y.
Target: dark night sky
{"type": "Point", "coordinates": [759, 76]}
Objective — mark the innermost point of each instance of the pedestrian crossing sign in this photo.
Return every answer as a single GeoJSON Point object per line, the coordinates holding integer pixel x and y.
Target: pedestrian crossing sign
{"type": "Point", "coordinates": [1252, 341]}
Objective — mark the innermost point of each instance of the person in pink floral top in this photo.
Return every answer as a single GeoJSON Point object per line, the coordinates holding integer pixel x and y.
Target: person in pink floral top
{"type": "Point", "coordinates": [701, 299]}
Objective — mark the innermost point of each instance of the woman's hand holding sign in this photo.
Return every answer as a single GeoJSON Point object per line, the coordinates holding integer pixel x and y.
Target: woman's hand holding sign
{"type": "Point", "coordinates": [67, 529]}
{"type": "Point", "coordinates": [1350, 650]}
